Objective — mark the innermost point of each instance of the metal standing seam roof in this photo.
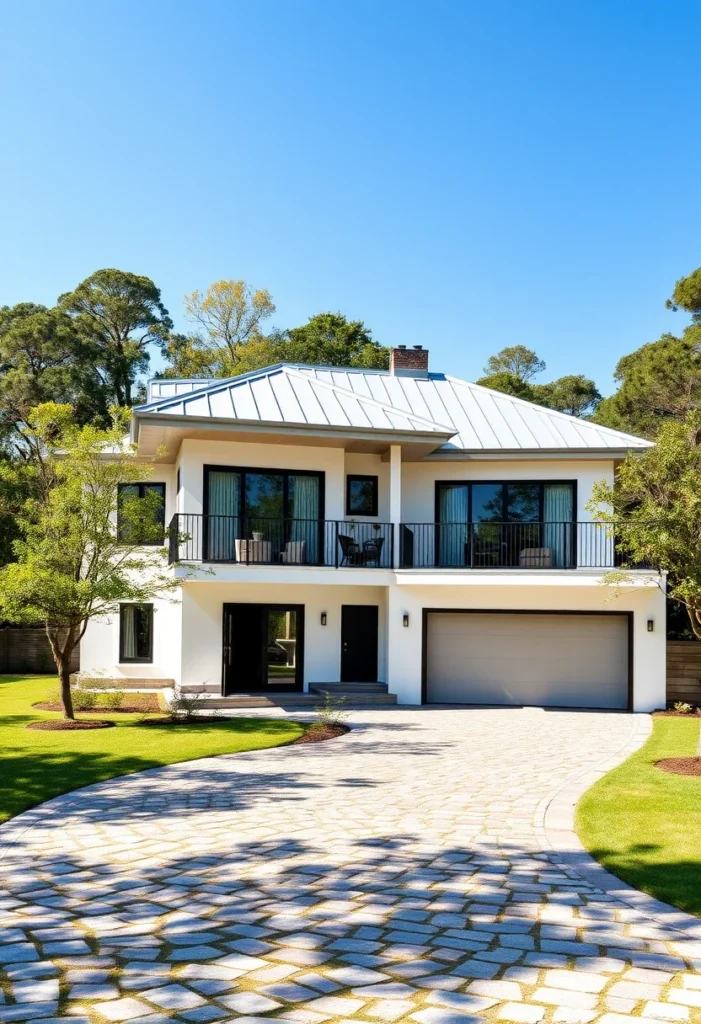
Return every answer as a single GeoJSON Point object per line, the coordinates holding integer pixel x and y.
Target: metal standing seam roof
{"type": "Point", "coordinates": [478, 418]}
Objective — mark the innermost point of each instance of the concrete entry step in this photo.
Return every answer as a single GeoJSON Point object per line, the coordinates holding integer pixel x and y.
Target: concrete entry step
{"type": "Point", "coordinates": [348, 689]}
{"type": "Point", "coordinates": [304, 701]}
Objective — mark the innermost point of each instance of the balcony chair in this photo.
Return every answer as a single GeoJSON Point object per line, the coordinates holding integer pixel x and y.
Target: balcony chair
{"type": "Point", "coordinates": [372, 551]}
{"type": "Point", "coordinates": [350, 549]}
{"type": "Point", "coordinates": [294, 553]}
{"type": "Point", "coordinates": [536, 558]}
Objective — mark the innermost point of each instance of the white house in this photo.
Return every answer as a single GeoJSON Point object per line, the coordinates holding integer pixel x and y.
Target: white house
{"type": "Point", "coordinates": [395, 527]}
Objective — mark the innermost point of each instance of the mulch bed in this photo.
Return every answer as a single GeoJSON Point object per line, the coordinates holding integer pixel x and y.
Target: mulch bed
{"type": "Point", "coordinates": [318, 733]}
{"type": "Point", "coordinates": [680, 765]}
{"type": "Point", "coordinates": [66, 724]}
{"type": "Point", "coordinates": [671, 713]}
{"type": "Point", "coordinates": [147, 706]}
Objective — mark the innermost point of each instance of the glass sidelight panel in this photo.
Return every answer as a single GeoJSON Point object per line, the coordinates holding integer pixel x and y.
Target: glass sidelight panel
{"type": "Point", "coordinates": [281, 648]}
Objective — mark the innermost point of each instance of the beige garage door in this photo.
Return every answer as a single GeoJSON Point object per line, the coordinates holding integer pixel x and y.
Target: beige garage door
{"type": "Point", "coordinates": [574, 661]}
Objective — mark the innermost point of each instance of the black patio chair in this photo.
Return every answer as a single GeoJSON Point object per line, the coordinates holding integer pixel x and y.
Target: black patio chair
{"type": "Point", "coordinates": [351, 551]}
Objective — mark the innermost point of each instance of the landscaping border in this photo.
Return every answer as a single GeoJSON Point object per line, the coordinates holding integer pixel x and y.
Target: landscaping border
{"type": "Point", "coordinates": [555, 819]}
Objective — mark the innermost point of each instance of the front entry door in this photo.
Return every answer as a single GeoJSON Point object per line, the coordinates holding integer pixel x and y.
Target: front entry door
{"type": "Point", "coordinates": [359, 643]}
{"type": "Point", "coordinates": [263, 648]}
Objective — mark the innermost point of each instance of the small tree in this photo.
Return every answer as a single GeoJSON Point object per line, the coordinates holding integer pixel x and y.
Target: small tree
{"type": "Point", "coordinates": [656, 508]}
{"type": "Point", "coordinates": [72, 564]}
{"type": "Point", "coordinates": [517, 360]}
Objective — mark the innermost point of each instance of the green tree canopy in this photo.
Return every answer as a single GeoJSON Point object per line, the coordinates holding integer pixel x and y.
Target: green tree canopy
{"type": "Point", "coordinates": [71, 565]}
{"type": "Point", "coordinates": [687, 295]}
{"type": "Point", "coordinates": [121, 315]}
{"type": "Point", "coordinates": [657, 382]}
{"type": "Point", "coordinates": [228, 319]}
{"type": "Point", "coordinates": [656, 508]}
{"type": "Point", "coordinates": [516, 360]}
{"type": "Point", "coordinates": [44, 358]}
{"type": "Point", "coordinates": [508, 384]}
{"type": "Point", "coordinates": [575, 395]}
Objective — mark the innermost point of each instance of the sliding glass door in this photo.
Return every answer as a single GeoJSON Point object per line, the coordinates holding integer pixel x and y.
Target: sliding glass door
{"type": "Point", "coordinates": [505, 524]}
{"type": "Point", "coordinates": [263, 648]}
{"type": "Point", "coordinates": [263, 515]}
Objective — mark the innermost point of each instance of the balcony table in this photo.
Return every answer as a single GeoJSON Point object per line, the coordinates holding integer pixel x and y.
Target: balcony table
{"type": "Point", "coordinates": [254, 551]}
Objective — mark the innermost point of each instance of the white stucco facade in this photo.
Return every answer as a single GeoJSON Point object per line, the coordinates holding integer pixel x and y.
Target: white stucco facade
{"type": "Point", "coordinates": [187, 644]}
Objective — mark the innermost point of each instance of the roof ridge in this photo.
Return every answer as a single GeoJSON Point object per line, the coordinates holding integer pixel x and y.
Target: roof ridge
{"type": "Point", "coordinates": [292, 370]}
{"type": "Point", "coordinates": [543, 408]}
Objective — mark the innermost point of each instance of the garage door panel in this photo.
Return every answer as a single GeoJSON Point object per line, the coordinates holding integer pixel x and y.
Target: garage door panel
{"type": "Point", "coordinates": [503, 658]}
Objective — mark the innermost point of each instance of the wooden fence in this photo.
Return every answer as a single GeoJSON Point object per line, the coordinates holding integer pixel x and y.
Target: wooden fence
{"type": "Point", "coordinates": [24, 651]}
{"type": "Point", "coordinates": [684, 671]}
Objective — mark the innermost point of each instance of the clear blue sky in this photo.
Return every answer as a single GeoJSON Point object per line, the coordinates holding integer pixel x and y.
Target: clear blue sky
{"type": "Point", "coordinates": [462, 175]}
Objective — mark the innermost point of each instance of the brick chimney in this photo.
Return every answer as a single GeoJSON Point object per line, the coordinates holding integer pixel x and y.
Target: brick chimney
{"type": "Point", "coordinates": [409, 362]}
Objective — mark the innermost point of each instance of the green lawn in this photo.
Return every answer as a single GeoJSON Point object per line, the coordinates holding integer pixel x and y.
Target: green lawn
{"type": "Point", "coordinates": [35, 766]}
{"type": "Point", "coordinates": [644, 825]}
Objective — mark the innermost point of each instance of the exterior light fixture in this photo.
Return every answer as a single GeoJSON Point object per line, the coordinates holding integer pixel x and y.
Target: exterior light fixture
{"type": "Point", "coordinates": [405, 619]}
{"type": "Point", "coordinates": [323, 618]}
{"type": "Point", "coordinates": [650, 625]}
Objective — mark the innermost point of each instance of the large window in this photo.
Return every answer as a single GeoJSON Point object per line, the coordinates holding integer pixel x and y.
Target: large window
{"type": "Point", "coordinates": [141, 513]}
{"type": "Point", "coordinates": [136, 632]}
{"type": "Point", "coordinates": [505, 523]}
{"type": "Point", "coordinates": [264, 515]}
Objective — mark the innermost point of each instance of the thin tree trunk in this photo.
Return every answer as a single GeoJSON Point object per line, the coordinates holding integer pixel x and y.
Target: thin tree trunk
{"type": "Point", "coordinates": [66, 695]}
{"type": "Point", "coordinates": [62, 659]}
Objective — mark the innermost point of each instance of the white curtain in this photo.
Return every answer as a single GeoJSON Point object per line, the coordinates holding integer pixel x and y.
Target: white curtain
{"type": "Point", "coordinates": [129, 649]}
{"type": "Point", "coordinates": [452, 507]}
{"type": "Point", "coordinates": [305, 514]}
{"type": "Point", "coordinates": [223, 523]}
{"type": "Point", "coordinates": [558, 527]}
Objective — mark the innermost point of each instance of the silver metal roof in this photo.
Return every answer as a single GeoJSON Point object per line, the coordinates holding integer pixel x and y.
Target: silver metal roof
{"type": "Point", "coordinates": [287, 395]}
{"type": "Point", "coordinates": [479, 419]}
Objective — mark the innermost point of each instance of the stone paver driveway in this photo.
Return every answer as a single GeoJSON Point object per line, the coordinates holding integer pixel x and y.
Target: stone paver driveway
{"type": "Point", "coordinates": [421, 869]}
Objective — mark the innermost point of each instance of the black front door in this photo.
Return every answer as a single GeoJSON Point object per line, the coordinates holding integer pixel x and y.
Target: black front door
{"type": "Point", "coordinates": [263, 648]}
{"type": "Point", "coordinates": [359, 643]}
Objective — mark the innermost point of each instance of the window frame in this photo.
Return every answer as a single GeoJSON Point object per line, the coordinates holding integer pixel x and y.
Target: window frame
{"type": "Point", "coordinates": [142, 485]}
{"type": "Point", "coordinates": [284, 473]}
{"type": "Point", "coordinates": [352, 478]}
{"type": "Point", "coordinates": [541, 484]}
{"type": "Point", "coordinates": [123, 659]}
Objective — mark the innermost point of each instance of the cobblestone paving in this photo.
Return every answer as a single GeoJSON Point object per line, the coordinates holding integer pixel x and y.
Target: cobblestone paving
{"type": "Point", "coordinates": [401, 873]}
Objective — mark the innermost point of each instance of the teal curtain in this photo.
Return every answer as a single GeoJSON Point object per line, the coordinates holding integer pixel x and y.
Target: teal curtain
{"type": "Point", "coordinates": [558, 527]}
{"type": "Point", "coordinates": [224, 522]}
{"type": "Point", "coordinates": [452, 508]}
{"type": "Point", "coordinates": [304, 492]}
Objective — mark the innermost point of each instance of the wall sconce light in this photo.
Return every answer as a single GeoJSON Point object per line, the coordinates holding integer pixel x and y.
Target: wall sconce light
{"type": "Point", "coordinates": [323, 618]}
{"type": "Point", "coordinates": [650, 625]}
{"type": "Point", "coordinates": [405, 619]}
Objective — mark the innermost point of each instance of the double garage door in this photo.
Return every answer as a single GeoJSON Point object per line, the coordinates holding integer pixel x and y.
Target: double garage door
{"type": "Point", "coordinates": [574, 661]}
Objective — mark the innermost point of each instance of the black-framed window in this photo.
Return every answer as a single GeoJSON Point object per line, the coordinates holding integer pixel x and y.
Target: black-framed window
{"type": "Point", "coordinates": [136, 632]}
{"type": "Point", "coordinates": [276, 507]}
{"type": "Point", "coordinates": [505, 501]}
{"type": "Point", "coordinates": [506, 523]}
{"type": "Point", "coordinates": [361, 495]}
{"type": "Point", "coordinates": [130, 530]}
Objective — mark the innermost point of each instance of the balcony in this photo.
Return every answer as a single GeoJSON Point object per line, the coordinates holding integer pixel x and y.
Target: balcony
{"type": "Point", "coordinates": [510, 546]}
{"type": "Point", "coordinates": [248, 540]}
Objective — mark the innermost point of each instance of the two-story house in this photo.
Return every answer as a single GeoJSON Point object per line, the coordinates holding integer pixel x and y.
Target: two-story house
{"type": "Point", "coordinates": [400, 527]}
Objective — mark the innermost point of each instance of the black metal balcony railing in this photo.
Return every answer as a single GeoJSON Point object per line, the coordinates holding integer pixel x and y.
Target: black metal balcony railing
{"type": "Point", "coordinates": [250, 540]}
{"type": "Point", "coordinates": [510, 546]}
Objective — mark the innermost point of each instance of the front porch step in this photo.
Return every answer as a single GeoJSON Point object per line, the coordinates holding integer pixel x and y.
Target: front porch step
{"type": "Point", "coordinates": [348, 689]}
{"type": "Point", "coordinates": [289, 701]}
{"type": "Point", "coordinates": [192, 689]}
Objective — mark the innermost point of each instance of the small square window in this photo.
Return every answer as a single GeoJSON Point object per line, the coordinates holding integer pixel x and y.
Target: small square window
{"type": "Point", "coordinates": [135, 632]}
{"type": "Point", "coordinates": [135, 528]}
{"type": "Point", "coordinates": [361, 495]}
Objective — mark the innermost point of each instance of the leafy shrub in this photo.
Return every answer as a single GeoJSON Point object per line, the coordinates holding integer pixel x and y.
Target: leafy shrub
{"type": "Point", "coordinates": [84, 700]}
{"type": "Point", "coordinates": [683, 708]}
{"type": "Point", "coordinates": [333, 710]}
{"type": "Point", "coordinates": [112, 700]}
{"type": "Point", "coordinates": [183, 706]}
